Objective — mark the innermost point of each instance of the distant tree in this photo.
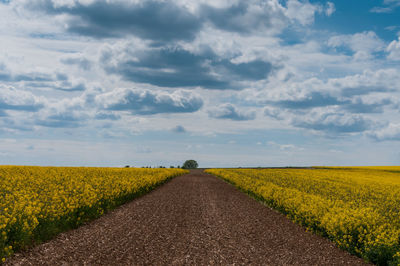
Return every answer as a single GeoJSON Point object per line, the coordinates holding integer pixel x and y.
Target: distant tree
{"type": "Point", "coordinates": [127, 166]}
{"type": "Point", "coordinates": [178, 166]}
{"type": "Point", "coordinates": [172, 166]}
{"type": "Point", "coordinates": [190, 164]}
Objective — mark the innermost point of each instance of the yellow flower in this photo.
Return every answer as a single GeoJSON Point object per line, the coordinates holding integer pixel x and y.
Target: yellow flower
{"type": "Point", "coordinates": [356, 207]}
{"type": "Point", "coordinates": [35, 195]}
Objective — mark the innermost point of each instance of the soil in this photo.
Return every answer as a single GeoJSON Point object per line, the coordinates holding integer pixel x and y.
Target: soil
{"type": "Point", "coordinates": [194, 219]}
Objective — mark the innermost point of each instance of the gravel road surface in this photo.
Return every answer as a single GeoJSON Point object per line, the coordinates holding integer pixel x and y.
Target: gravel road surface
{"type": "Point", "coordinates": [194, 219]}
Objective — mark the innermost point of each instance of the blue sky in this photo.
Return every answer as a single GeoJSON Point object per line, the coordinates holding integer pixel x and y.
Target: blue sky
{"type": "Point", "coordinates": [227, 83]}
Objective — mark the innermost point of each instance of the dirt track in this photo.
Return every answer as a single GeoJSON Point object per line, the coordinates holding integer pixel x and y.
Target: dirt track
{"type": "Point", "coordinates": [194, 219]}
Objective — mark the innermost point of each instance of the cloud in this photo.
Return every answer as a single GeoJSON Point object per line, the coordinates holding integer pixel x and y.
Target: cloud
{"type": "Point", "coordinates": [12, 125]}
{"type": "Point", "coordinates": [362, 44]}
{"type": "Point", "coordinates": [107, 116]}
{"type": "Point", "coordinates": [301, 12]}
{"type": "Point", "coordinates": [179, 129]}
{"type": "Point", "coordinates": [389, 6]}
{"type": "Point", "coordinates": [359, 105]}
{"type": "Point", "coordinates": [275, 113]}
{"type": "Point", "coordinates": [41, 79]}
{"type": "Point", "coordinates": [379, 9]}
{"type": "Point", "coordinates": [330, 9]}
{"type": "Point", "coordinates": [19, 100]}
{"type": "Point", "coordinates": [79, 60]}
{"type": "Point", "coordinates": [314, 99]}
{"type": "Point", "coordinates": [284, 147]}
{"type": "Point", "coordinates": [166, 21]}
{"type": "Point", "coordinates": [178, 67]}
{"type": "Point", "coordinates": [332, 122]}
{"type": "Point", "coordinates": [70, 86]}
{"type": "Point", "coordinates": [337, 106]}
{"type": "Point", "coordinates": [62, 120]}
{"type": "Point", "coordinates": [245, 17]}
{"type": "Point", "coordinates": [382, 80]}
{"type": "Point", "coordinates": [317, 99]}
{"type": "Point", "coordinates": [148, 102]}
{"type": "Point", "coordinates": [368, 92]}
{"type": "Point", "coordinates": [152, 20]}
{"type": "Point", "coordinates": [65, 113]}
{"type": "Point", "coordinates": [229, 111]}
{"type": "Point", "coordinates": [390, 132]}
{"type": "Point", "coordinates": [394, 50]}
{"type": "Point", "coordinates": [7, 76]}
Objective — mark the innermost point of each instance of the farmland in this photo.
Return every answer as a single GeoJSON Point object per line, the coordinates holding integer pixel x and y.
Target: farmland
{"type": "Point", "coordinates": [36, 203]}
{"type": "Point", "coordinates": [357, 207]}
{"type": "Point", "coordinates": [195, 219]}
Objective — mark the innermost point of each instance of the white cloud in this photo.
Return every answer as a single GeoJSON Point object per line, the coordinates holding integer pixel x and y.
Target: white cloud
{"type": "Point", "coordinates": [390, 132]}
{"type": "Point", "coordinates": [148, 102]}
{"type": "Point", "coordinates": [19, 100]}
{"type": "Point", "coordinates": [301, 12]}
{"type": "Point", "coordinates": [58, 66]}
{"type": "Point", "coordinates": [330, 9]}
{"type": "Point", "coordinates": [330, 121]}
{"type": "Point", "coordinates": [229, 111]}
{"type": "Point", "coordinates": [365, 42]}
{"type": "Point", "coordinates": [394, 50]}
{"type": "Point", "coordinates": [389, 6]}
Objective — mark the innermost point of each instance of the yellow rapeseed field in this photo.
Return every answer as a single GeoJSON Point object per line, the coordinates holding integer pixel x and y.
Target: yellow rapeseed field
{"type": "Point", "coordinates": [356, 207]}
{"type": "Point", "coordinates": [38, 202]}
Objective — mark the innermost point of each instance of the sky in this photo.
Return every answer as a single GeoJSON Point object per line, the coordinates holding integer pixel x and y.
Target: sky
{"type": "Point", "coordinates": [227, 83]}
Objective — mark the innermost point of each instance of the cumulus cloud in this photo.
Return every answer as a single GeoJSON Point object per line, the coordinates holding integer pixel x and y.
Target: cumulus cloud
{"type": "Point", "coordinates": [148, 102]}
{"type": "Point", "coordinates": [103, 115]}
{"type": "Point", "coordinates": [246, 17]}
{"type": "Point", "coordinates": [66, 113]}
{"type": "Point", "coordinates": [317, 99]}
{"type": "Point", "coordinates": [394, 50]}
{"type": "Point", "coordinates": [80, 60]}
{"type": "Point", "coordinates": [336, 106]}
{"type": "Point", "coordinates": [41, 79]}
{"type": "Point", "coordinates": [362, 44]}
{"type": "Point", "coordinates": [202, 45]}
{"type": "Point", "coordinates": [315, 92]}
{"type": "Point", "coordinates": [229, 111]}
{"type": "Point", "coordinates": [152, 20]}
{"type": "Point", "coordinates": [162, 21]}
{"type": "Point", "coordinates": [178, 67]}
{"type": "Point", "coordinates": [276, 113]}
{"type": "Point", "coordinates": [313, 99]}
{"type": "Point", "coordinates": [302, 12]}
{"type": "Point", "coordinates": [179, 129]}
{"type": "Point", "coordinates": [65, 85]}
{"type": "Point", "coordinates": [12, 125]}
{"type": "Point", "coordinates": [390, 132]}
{"type": "Point", "coordinates": [367, 105]}
{"type": "Point", "coordinates": [7, 76]}
{"type": "Point", "coordinates": [330, 9]}
{"type": "Point", "coordinates": [19, 100]}
{"type": "Point", "coordinates": [332, 122]}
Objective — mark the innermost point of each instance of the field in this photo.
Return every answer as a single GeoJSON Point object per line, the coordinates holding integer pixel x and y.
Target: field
{"type": "Point", "coordinates": [38, 202]}
{"type": "Point", "coordinates": [356, 207]}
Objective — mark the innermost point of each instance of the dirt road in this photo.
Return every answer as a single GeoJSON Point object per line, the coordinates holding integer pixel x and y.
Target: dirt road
{"type": "Point", "coordinates": [194, 219]}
